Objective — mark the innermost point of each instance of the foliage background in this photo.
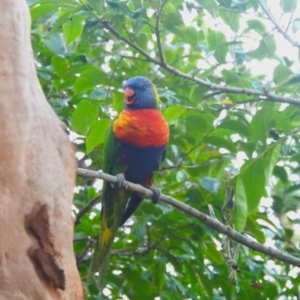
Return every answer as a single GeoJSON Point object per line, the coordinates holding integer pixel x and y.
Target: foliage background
{"type": "Point", "coordinates": [221, 69]}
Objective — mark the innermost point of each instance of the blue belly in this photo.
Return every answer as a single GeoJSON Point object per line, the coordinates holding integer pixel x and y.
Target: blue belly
{"type": "Point", "coordinates": [141, 162]}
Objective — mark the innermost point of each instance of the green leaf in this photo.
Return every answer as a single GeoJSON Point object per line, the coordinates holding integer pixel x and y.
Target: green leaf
{"type": "Point", "coordinates": [119, 7]}
{"type": "Point", "coordinates": [231, 18]}
{"type": "Point", "coordinates": [197, 121]}
{"type": "Point", "coordinates": [57, 2]}
{"type": "Point", "coordinates": [84, 115]}
{"type": "Point", "coordinates": [97, 134]}
{"type": "Point", "coordinates": [72, 29]}
{"type": "Point", "coordinates": [236, 126]}
{"type": "Point", "coordinates": [220, 142]}
{"type": "Point", "coordinates": [118, 101]}
{"type": "Point", "coordinates": [90, 77]}
{"type": "Point", "coordinates": [282, 122]}
{"type": "Point", "coordinates": [172, 20]}
{"type": "Point", "coordinates": [140, 12]}
{"type": "Point", "coordinates": [39, 11]}
{"type": "Point", "coordinates": [99, 93]}
{"type": "Point", "coordinates": [197, 92]}
{"type": "Point", "coordinates": [173, 113]}
{"type": "Point", "coordinates": [96, 5]}
{"type": "Point", "coordinates": [248, 148]}
{"type": "Point", "coordinates": [210, 184]}
{"type": "Point", "coordinates": [190, 35]}
{"type": "Point", "coordinates": [241, 208]}
{"type": "Point", "coordinates": [142, 40]}
{"type": "Point", "coordinates": [217, 42]}
{"type": "Point", "coordinates": [158, 273]}
{"type": "Point", "coordinates": [225, 3]}
{"type": "Point", "coordinates": [257, 26]}
{"type": "Point", "coordinates": [271, 160]}
{"type": "Point", "coordinates": [60, 65]}
{"type": "Point", "coordinates": [206, 155]}
{"type": "Point", "coordinates": [280, 172]}
{"type": "Point", "coordinates": [230, 77]}
{"type": "Point", "coordinates": [255, 230]}
{"type": "Point", "coordinates": [55, 43]}
{"type": "Point", "coordinates": [139, 25]}
{"type": "Point", "coordinates": [296, 25]}
{"type": "Point", "coordinates": [169, 8]}
{"type": "Point", "coordinates": [261, 124]}
{"type": "Point", "coordinates": [254, 4]}
{"type": "Point", "coordinates": [281, 74]}
{"type": "Point", "coordinates": [213, 254]}
{"type": "Point", "coordinates": [253, 177]}
{"type": "Point", "coordinates": [288, 5]}
{"type": "Point", "coordinates": [266, 48]}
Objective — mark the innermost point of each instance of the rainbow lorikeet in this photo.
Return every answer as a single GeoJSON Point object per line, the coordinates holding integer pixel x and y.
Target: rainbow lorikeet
{"type": "Point", "coordinates": [135, 147]}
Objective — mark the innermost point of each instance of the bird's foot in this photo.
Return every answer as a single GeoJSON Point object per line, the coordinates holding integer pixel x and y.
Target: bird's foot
{"type": "Point", "coordinates": [121, 182]}
{"type": "Point", "coordinates": [156, 194]}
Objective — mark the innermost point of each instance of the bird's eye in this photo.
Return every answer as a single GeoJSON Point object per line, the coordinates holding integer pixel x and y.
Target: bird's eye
{"type": "Point", "coordinates": [144, 87]}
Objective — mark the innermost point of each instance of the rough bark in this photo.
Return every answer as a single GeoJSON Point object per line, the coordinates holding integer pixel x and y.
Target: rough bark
{"type": "Point", "coordinates": [37, 175]}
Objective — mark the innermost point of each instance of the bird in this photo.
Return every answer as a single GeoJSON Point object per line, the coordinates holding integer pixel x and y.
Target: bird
{"type": "Point", "coordinates": [135, 147]}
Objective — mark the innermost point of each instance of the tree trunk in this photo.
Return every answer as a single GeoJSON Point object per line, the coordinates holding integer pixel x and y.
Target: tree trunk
{"type": "Point", "coordinates": [37, 176]}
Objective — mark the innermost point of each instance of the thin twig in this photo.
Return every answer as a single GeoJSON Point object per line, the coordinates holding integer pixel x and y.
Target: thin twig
{"type": "Point", "coordinates": [112, 75]}
{"type": "Point", "coordinates": [214, 93]}
{"type": "Point", "coordinates": [85, 239]}
{"type": "Point", "coordinates": [177, 86]}
{"type": "Point", "coordinates": [137, 252]}
{"type": "Point", "coordinates": [83, 211]}
{"type": "Point", "coordinates": [290, 20]}
{"type": "Point", "coordinates": [214, 223]}
{"type": "Point", "coordinates": [80, 257]}
{"type": "Point", "coordinates": [210, 85]}
{"type": "Point", "coordinates": [134, 57]}
{"type": "Point", "coordinates": [194, 147]}
{"type": "Point", "coordinates": [272, 18]}
{"type": "Point", "coordinates": [253, 100]}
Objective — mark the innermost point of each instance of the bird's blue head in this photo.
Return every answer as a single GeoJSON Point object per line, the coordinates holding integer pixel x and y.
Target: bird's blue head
{"type": "Point", "coordinates": [140, 92]}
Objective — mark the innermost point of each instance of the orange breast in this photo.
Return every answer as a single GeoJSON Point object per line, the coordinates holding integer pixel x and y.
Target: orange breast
{"type": "Point", "coordinates": [142, 128]}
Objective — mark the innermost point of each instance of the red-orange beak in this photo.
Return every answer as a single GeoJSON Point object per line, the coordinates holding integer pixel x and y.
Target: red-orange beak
{"type": "Point", "coordinates": [129, 96]}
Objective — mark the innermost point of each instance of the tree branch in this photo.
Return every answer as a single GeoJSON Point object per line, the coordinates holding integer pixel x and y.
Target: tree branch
{"type": "Point", "coordinates": [212, 222]}
{"type": "Point", "coordinates": [210, 85]}
{"type": "Point", "coordinates": [272, 18]}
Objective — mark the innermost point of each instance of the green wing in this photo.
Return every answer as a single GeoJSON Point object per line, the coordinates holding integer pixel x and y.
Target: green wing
{"type": "Point", "coordinates": [113, 206]}
{"type": "Point", "coordinates": [111, 148]}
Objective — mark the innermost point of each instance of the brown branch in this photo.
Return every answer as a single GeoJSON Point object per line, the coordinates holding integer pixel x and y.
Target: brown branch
{"type": "Point", "coordinates": [272, 18]}
{"type": "Point", "coordinates": [212, 222]}
{"type": "Point", "coordinates": [210, 85]}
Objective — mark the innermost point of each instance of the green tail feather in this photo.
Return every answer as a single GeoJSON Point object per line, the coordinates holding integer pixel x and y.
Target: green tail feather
{"type": "Point", "coordinates": [111, 216]}
{"type": "Point", "coordinates": [100, 263]}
